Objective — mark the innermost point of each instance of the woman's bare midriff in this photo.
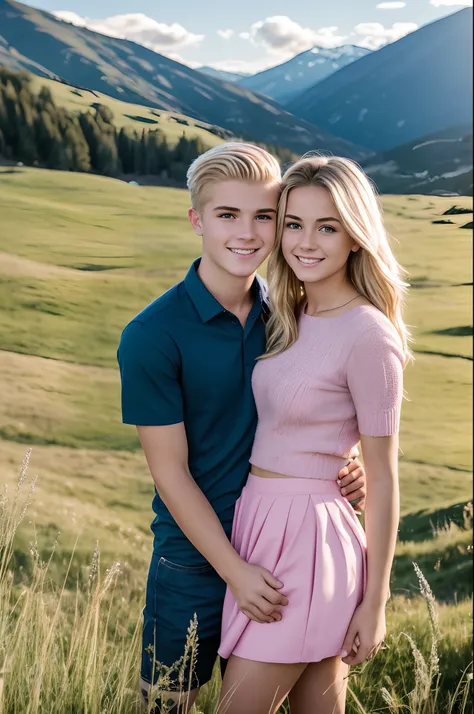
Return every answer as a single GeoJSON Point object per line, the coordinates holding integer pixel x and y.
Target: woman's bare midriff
{"type": "Point", "coordinates": [266, 474]}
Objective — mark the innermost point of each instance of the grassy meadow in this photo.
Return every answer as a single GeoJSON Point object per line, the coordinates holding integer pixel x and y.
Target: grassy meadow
{"type": "Point", "coordinates": [80, 255]}
{"type": "Point", "coordinates": [130, 116]}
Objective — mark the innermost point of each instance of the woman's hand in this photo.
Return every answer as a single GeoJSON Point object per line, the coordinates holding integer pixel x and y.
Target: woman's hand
{"type": "Point", "coordinates": [365, 634]}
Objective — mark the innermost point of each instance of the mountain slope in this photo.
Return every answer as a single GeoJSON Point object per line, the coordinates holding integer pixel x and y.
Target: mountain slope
{"type": "Point", "coordinates": [222, 74]}
{"type": "Point", "coordinates": [413, 87]}
{"type": "Point", "coordinates": [133, 73]}
{"type": "Point", "coordinates": [438, 163]}
{"type": "Point", "coordinates": [286, 81]}
{"type": "Point", "coordinates": [131, 116]}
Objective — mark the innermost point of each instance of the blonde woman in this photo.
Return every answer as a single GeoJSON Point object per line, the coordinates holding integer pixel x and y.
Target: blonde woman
{"type": "Point", "coordinates": [331, 377]}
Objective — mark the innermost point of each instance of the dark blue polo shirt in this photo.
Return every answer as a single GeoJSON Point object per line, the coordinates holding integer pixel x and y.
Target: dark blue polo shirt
{"type": "Point", "coordinates": [185, 358]}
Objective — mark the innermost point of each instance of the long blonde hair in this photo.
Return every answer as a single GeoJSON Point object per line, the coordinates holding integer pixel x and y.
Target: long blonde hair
{"type": "Point", "coordinates": [373, 269]}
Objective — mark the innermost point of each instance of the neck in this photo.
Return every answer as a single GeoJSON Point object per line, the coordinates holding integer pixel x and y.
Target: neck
{"type": "Point", "coordinates": [233, 292]}
{"type": "Point", "coordinates": [329, 293]}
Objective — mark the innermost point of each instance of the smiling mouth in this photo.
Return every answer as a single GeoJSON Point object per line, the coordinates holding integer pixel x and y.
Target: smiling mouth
{"type": "Point", "coordinates": [243, 251]}
{"type": "Point", "coordinates": [309, 261]}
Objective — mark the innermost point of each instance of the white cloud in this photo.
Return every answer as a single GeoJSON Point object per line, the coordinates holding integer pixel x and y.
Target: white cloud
{"type": "Point", "coordinates": [245, 66]}
{"type": "Point", "coordinates": [439, 3]}
{"type": "Point", "coordinates": [137, 27]}
{"type": "Point", "coordinates": [72, 17]}
{"type": "Point", "coordinates": [283, 36]}
{"type": "Point", "coordinates": [177, 58]}
{"type": "Point", "coordinates": [390, 5]}
{"type": "Point", "coordinates": [225, 34]}
{"type": "Point", "coordinates": [374, 35]}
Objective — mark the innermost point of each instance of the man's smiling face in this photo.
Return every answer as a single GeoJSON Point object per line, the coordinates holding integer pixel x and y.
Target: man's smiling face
{"type": "Point", "coordinates": [237, 223]}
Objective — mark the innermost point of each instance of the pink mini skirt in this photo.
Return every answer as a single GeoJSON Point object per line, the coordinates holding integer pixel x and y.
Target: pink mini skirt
{"type": "Point", "coordinates": [306, 534]}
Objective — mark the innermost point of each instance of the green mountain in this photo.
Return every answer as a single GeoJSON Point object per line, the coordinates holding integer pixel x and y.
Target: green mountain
{"type": "Point", "coordinates": [291, 79]}
{"type": "Point", "coordinates": [416, 86]}
{"type": "Point", "coordinates": [222, 74]}
{"type": "Point", "coordinates": [131, 116]}
{"type": "Point", "coordinates": [34, 40]}
{"type": "Point", "coordinates": [439, 163]}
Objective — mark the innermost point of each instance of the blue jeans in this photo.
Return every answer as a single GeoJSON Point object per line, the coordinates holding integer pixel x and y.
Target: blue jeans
{"type": "Point", "coordinates": [174, 594]}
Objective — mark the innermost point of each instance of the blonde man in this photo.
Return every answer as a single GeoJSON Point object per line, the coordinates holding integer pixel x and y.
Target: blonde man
{"type": "Point", "coordinates": [186, 363]}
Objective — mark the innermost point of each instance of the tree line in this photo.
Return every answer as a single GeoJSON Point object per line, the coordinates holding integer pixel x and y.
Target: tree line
{"type": "Point", "coordinates": [37, 132]}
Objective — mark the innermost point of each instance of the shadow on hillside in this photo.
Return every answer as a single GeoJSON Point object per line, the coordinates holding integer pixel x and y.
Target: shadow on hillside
{"type": "Point", "coordinates": [10, 171]}
{"type": "Point", "coordinates": [462, 331]}
{"type": "Point", "coordinates": [144, 120]}
{"type": "Point", "coordinates": [448, 569]}
{"type": "Point", "coordinates": [456, 211]}
{"type": "Point", "coordinates": [95, 267]}
{"type": "Point", "coordinates": [421, 526]}
{"type": "Point", "coordinates": [447, 565]}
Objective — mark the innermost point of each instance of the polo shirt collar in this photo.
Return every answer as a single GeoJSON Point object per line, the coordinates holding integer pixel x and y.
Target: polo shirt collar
{"type": "Point", "coordinates": [206, 304]}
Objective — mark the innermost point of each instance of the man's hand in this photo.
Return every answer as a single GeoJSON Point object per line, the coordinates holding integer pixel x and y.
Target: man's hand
{"type": "Point", "coordinates": [256, 593]}
{"type": "Point", "coordinates": [353, 484]}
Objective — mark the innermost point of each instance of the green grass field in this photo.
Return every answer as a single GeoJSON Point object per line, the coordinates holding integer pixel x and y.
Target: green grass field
{"type": "Point", "coordinates": [81, 254]}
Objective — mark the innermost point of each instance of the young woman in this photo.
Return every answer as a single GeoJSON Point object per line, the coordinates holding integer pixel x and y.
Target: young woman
{"type": "Point", "coordinates": [331, 377]}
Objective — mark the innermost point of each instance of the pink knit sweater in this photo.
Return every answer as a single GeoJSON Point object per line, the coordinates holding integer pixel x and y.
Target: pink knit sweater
{"type": "Point", "coordinates": [341, 378]}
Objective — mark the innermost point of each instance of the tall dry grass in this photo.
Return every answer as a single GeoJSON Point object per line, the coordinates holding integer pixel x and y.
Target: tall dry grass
{"type": "Point", "coordinates": [76, 651]}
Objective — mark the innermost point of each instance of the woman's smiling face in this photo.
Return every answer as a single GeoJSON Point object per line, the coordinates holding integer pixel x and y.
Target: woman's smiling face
{"type": "Point", "coordinates": [314, 243]}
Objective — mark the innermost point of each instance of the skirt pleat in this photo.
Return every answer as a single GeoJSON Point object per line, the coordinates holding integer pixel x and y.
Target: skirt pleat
{"type": "Point", "coordinates": [306, 534]}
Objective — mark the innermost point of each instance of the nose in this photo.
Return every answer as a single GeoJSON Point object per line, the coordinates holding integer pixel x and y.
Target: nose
{"type": "Point", "coordinates": [308, 241]}
{"type": "Point", "coordinates": [246, 230]}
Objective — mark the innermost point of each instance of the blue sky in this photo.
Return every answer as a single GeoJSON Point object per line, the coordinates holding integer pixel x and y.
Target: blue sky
{"type": "Point", "coordinates": [261, 33]}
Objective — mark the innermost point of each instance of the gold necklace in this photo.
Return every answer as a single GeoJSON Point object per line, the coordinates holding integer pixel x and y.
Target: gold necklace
{"type": "Point", "coordinates": [330, 309]}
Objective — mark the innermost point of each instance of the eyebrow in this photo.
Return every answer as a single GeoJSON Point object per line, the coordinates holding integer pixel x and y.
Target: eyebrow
{"type": "Point", "coordinates": [318, 220]}
{"type": "Point", "coordinates": [237, 210]}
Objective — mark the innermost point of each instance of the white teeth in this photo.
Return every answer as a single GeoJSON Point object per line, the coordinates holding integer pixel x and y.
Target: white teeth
{"type": "Point", "coordinates": [309, 261]}
{"type": "Point", "coordinates": [240, 251]}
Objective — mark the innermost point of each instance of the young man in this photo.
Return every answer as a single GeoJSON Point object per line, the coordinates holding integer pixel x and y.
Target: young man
{"type": "Point", "coordinates": [186, 363]}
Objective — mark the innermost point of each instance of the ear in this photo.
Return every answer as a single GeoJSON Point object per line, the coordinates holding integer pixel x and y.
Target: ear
{"type": "Point", "coordinates": [195, 220]}
{"type": "Point", "coordinates": [355, 247]}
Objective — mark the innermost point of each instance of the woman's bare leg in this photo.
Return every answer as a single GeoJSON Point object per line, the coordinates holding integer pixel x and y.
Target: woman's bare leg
{"type": "Point", "coordinates": [321, 689]}
{"type": "Point", "coordinates": [256, 687]}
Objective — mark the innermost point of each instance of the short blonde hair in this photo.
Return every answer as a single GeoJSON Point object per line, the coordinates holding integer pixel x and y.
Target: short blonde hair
{"type": "Point", "coordinates": [232, 161]}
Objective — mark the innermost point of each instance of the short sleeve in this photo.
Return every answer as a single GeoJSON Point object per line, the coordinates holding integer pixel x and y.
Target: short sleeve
{"type": "Point", "coordinates": [149, 370]}
{"type": "Point", "coordinates": [375, 381]}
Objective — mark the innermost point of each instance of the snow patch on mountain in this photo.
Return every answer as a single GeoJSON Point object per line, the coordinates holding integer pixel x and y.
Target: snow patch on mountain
{"type": "Point", "coordinates": [286, 81]}
{"type": "Point", "coordinates": [435, 141]}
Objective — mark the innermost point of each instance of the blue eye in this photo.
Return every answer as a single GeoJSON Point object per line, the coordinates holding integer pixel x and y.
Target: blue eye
{"type": "Point", "coordinates": [331, 229]}
{"type": "Point", "coordinates": [265, 217]}
{"type": "Point", "coordinates": [293, 226]}
{"type": "Point", "coordinates": [226, 215]}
